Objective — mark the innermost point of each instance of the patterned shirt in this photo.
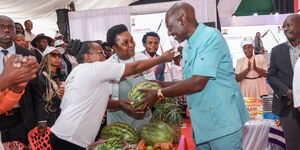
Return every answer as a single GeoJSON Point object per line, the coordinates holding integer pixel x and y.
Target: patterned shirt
{"type": "Point", "coordinates": [294, 53]}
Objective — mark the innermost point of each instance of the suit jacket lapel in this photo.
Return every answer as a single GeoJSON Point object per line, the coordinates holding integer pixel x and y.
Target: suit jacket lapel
{"type": "Point", "coordinates": [286, 53]}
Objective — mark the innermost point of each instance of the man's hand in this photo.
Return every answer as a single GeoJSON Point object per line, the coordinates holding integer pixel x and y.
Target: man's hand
{"type": "Point", "coordinates": [19, 70]}
{"type": "Point", "coordinates": [41, 128]}
{"type": "Point", "coordinates": [168, 55]}
{"type": "Point", "coordinates": [126, 105]}
{"type": "Point", "coordinates": [289, 94]}
{"type": "Point", "coordinates": [150, 99]}
{"type": "Point", "coordinates": [60, 92]}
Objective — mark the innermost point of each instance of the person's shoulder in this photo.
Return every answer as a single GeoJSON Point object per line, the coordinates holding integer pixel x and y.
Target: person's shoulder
{"type": "Point", "coordinates": [279, 47]}
{"type": "Point", "coordinates": [239, 60]}
{"type": "Point", "coordinates": [259, 57]}
{"type": "Point", "coordinates": [112, 58]}
{"type": "Point", "coordinates": [212, 34]}
{"type": "Point", "coordinates": [140, 56]}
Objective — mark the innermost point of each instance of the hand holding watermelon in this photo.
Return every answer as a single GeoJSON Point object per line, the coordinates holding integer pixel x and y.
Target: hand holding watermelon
{"type": "Point", "coordinates": [136, 97]}
{"type": "Point", "coordinates": [150, 98]}
{"type": "Point", "coordinates": [126, 105]}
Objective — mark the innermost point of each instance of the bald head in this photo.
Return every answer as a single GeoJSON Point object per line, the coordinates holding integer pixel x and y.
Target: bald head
{"type": "Point", "coordinates": [181, 21]}
{"type": "Point", "coordinates": [2, 18]}
{"type": "Point", "coordinates": [294, 17]}
{"type": "Point", "coordinates": [291, 26]}
{"type": "Point", "coordinates": [183, 8]}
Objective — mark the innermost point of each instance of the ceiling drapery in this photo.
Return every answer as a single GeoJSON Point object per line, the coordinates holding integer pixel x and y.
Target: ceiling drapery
{"type": "Point", "coordinates": [42, 12]}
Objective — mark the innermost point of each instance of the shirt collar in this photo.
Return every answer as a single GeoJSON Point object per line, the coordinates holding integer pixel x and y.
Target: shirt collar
{"type": "Point", "coordinates": [196, 33]}
{"type": "Point", "coordinates": [11, 50]}
{"type": "Point", "coordinates": [291, 46]}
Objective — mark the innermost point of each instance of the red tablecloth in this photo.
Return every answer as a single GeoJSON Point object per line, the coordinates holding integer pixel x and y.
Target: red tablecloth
{"type": "Point", "coordinates": [186, 138]}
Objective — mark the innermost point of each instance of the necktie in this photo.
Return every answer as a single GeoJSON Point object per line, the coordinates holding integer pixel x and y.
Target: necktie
{"type": "Point", "coordinates": [5, 52]}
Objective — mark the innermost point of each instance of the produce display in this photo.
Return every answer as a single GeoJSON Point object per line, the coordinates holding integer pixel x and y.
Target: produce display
{"type": "Point", "coordinates": [120, 130]}
{"type": "Point", "coordinates": [135, 96]}
{"type": "Point", "coordinates": [110, 144]}
{"type": "Point", "coordinates": [156, 132]}
{"type": "Point", "coordinates": [169, 113]}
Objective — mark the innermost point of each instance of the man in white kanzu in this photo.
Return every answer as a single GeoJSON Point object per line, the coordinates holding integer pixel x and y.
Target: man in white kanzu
{"type": "Point", "coordinates": [87, 94]}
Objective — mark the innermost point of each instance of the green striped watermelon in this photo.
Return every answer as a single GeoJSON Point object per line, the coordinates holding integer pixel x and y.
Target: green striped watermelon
{"type": "Point", "coordinates": [120, 130]}
{"type": "Point", "coordinates": [156, 132]}
{"type": "Point", "coordinates": [135, 96]}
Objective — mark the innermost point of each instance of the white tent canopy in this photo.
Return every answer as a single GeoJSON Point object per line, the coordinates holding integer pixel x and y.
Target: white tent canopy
{"type": "Point", "coordinates": [42, 12]}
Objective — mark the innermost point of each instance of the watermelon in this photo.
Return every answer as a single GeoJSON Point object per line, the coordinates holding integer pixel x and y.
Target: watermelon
{"type": "Point", "coordinates": [156, 132]}
{"type": "Point", "coordinates": [135, 96]}
{"type": "Point", "coordinates": [120, 130]}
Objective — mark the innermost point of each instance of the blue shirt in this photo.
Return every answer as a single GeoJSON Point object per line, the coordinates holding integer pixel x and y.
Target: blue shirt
{"type": "Point", "coordinates": [218, 109]}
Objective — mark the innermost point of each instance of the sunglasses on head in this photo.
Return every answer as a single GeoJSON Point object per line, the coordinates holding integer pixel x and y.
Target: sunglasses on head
{"type": "Point", "coordinates": [55, 55]}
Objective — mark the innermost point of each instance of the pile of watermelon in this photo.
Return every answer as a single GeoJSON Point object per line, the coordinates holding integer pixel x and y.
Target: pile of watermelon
{"type": "Point", "coordinates": [117, 133]}
{"type": "Point", "coordinates": [120, 130]}
{"type": "Point", "coordinates": [156, 132]}
{"type": "Point", "coordinates": [135, 96]}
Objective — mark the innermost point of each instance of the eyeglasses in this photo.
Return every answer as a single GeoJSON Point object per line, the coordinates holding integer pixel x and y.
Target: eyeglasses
{"type": "Point", "coordinates": [9, 27]}
{"type": "Point", "coordinates": [55, 55]}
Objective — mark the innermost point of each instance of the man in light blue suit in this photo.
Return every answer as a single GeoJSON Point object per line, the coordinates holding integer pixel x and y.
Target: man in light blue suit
{"type": "Point", "coordinates": [215, 102]}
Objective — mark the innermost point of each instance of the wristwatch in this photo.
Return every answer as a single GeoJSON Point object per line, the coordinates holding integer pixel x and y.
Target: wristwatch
{"type": "Point", "coordinates": [160, 95]}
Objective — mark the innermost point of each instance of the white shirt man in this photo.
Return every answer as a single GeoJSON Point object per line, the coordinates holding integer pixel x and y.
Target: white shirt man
{"type": "Point", "coordinates": [296, 85]}
{"type": "Point", "coordinates": [85, 101]}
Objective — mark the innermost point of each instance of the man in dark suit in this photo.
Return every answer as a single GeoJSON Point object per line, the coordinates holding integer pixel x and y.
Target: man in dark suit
{"type": "Point", "coordinates": [40, 42]}
{"type": "Point", "coordinates": [17, 122]}
{"type": "Point", "coordinates": [151, 42]}
{"type": "Point", "coordinates": [280, 77]}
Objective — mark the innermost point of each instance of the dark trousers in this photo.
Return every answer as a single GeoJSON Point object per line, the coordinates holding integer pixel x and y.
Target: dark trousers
{"type": "Point", "coordinates": [15, 133]}
{"type": "Point", "coordinates": [59, 144]}
{"type": "Point", "coordinates": [291, 128]}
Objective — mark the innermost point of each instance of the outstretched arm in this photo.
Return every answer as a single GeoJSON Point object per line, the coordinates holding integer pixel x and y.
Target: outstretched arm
{"type": "Point", "coordinates": [142, 65]}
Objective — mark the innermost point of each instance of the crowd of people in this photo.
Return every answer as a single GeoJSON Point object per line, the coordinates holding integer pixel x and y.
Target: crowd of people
{"type": "Point", "coordinates": [44, 85]}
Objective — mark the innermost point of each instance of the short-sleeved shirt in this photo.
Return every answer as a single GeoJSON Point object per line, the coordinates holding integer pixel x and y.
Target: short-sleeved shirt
{"type": "Point", "coordinates": [218, 109]}
{"type": "Point", "coordinates": [296, 84]}
{"type": "Point", "coordinates": [85, 100]}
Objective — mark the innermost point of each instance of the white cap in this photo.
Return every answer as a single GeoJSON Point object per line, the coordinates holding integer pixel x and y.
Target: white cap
{"type": "Point", "coordinates": [58, 35]}
{"type": "Point", "coordinates": [246, 40]}
{"type": "Point", "coordinates": [49, 49]}
{"type": "Point", "coordinates": [58, 42]}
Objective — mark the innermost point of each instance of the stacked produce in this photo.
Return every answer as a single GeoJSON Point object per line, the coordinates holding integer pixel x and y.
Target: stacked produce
{"type": "Point", "coordinates": [110, 144]}
{"type": "Point", "coordinates": [163, 129]}
{"type": "Point", "coordinates": [120, 130]}
{"type": "Point", "coordinates": [156, 132]}
{"type": "Point", "coordinates": [169, 113]}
